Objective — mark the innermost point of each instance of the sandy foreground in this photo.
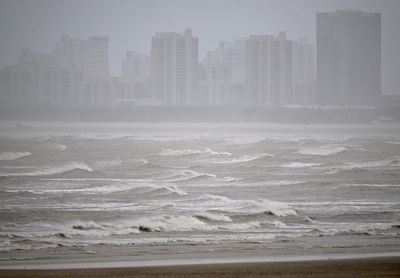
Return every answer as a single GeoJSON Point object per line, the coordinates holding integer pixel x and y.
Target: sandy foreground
{"type": "Point", "coordinates": [362, 267]}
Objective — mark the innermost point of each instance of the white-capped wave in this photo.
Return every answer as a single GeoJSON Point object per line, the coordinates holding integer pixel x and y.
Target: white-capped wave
{"type": "Point", "coordinates": [297, 164]}
{"type": "Point", "coordinates": [228, 179]}
{"type": "Point", "coordinates": [214, 216]}
{"type": "Point", "coordinates": [149, 188]}
{"type": "Point", "coordinates": [168, 189]}
{"type": "Point", "coordinates": [142, 161]}
{"type": "Point", "coordinates": [13, 155]}
{"type": "Point", "coordinates": [180, 223]}
{"type": "Point", "coordinates": [188, 175]}
{"type": "Point", "coordinates": [373, 164]}
{"type": "Point", "coordinates": [48, 171]}
{"type": "Point", "coordinates": [280, 182]}
{"type": "Point", "coordinates": [369, 185]}
{"type": "Point", "coordinates": [244, 140]}
{"type": "Point", "coordinates": [109, 163]}
{"type": "Point", "coordinates": [211, 202]}
{"type": "Point", "coordinates": [214, 198]}
{"type": "Point", "coordinates": [322, 151]}
{"type": "Point", "coordinates": [57, 147]}
{"type": "Point", "coordinates": [393, 142]}
{"type": "Point", "coordinates": [243, 158]}
{"type": "Point", "coordinates": [349, 228]}
{"type": "Point", "coordinates": [206, 151]}
{"type": "Point", "coordinates": [168, 223]}
{"type": "Point", "coordinates": [273, 207]}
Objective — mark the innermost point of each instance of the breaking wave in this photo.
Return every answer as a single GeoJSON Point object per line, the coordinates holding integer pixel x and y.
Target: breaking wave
{"type": "Point", "coordinates": [13, 156]}
{"type": "Point", "coordinates": [188, 175]}
{"type": "Point", "coordinates": [211, 202]}
{"type": "Point", "coordinates": [145, 188]}
{"type": "Point", "coordinates": [206, 151]}
{"type": "Point", "coordinates": [322, 151]}
{"type": "Point", "coordinates": [299, 165]}
{"type": "Point", "coordinates": [369, 185]}
{"type": "Point", "coordinates": [48, 171]}
{"type": "Point", "coordinates": [244, 158]}
{"type": "Point", "coordinates": [213, 216]}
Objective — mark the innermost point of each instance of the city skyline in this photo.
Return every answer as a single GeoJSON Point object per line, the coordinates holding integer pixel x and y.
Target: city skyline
{"type": "Point", "coordinates": [255, 71]}
{"type": "Point", "coordinates": [138, 20]}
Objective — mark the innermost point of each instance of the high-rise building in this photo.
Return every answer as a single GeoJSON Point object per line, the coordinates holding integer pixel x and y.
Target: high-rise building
{"type": "Point", "coordinates": [174, 67]}
{"type": "Point", "coordinates": [269, 71]}
{"type": "Point", "coordinates": [213, 81]}
{"type": "Point", "coordinates": [225, 72]}
{"type": "Point", "coordinates": [348, 57]}
{"type": "Point", "coordinates": [303, 72]}
{"type": "Point", "coordinates": [37, 79]}
{"type": "Point", "coordinates": [88, 56]}
{"type": "Point", "coordinates": [136, 73]}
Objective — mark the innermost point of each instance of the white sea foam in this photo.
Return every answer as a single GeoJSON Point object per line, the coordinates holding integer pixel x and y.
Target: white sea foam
{"type": "Point", "coordinates": [297, 164]}
{"type": "Point", "coordinates": [213, 216]}
{"type": "Point", "coordinates": [227, 179]}
{"type": "Point", "coordinates": [244, 140]}
{"type": "Point", "coordinates": [322, 151]}
{"type": "Point", "coordinates": [188, 175]}
{"type": "Point", "coordinates": [206, 151]}
{"type": "Point", "coordinates": [48, 171]}
{"type": "Point", "coordinates": [142, 161]}
{"type": "Point", "coordinates": [13, 155]}
{"type": "Point", "coordinates": [252, 225]}
{"type": "Point", "coordinates": [393, 142]}
{"type": "Point", "coordinates": [212, 197]}
{"type": "Point", "coordinates": [57, 147]}
{"type": "Point", "coordinates": [151, 188]}
{"type": "Point", "coordinates": [395, 162]}
{"type": "Point", "coordinates": [243, 158]}
{"type": "Point", "coordinates": [184, 223]}
{"type": "Point", "coordinates": [274, 207]}
{"type": "Point", "coordinates": [211, 202]}
{"type": "Point", "coordinates": [87, 190]}
{"type": "Point", "coordinates": [109, 163]}
{"type": "Point", "coordinates": [168, 188]}
{"type": "Point", "coordinates": [369, 185]}
{"type": "Point", "coordinates": [168, 223]}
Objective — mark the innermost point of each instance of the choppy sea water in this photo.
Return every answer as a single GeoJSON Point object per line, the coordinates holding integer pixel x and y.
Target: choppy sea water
{"type": "Point", "coordinates": [87, 187]}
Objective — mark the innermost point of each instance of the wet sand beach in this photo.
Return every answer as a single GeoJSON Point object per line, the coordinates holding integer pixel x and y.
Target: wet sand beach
{"type": "Point", "coordinates": [370, 267]}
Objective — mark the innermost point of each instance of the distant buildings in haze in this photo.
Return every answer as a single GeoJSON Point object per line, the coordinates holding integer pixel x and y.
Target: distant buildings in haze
{"type": "Point", "coordinates": [348, 58]}
{"type": "Point", "coordinates": [256, 71]}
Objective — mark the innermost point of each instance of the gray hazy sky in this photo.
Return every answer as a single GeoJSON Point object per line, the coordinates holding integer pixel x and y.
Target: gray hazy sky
{"type": "Point", "coordinates": [38, 24]}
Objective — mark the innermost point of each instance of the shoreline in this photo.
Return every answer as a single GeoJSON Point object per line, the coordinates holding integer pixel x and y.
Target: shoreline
{"type": "Point", "coordinates": [99, 264]}
{"type": "Point", "coordinates": [361, 267]}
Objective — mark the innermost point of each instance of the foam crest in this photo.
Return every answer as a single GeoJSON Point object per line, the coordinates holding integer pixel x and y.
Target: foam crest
{"type": "Point", "coordinates": [57, 147]}
{"type": "Point", "coordinates": [48, 171]}
{"type": "Point", "coordinates": [212, 197]}
{"type": "Point", "coordinates": [244, 140]}
{"type": "Point", "coordinates": [297, 165]}
{"type": "Point", "coordinates": [243, 158]}
{"type": "Point", "coordinates": [273, 207]}
{"type": "Point", "coordinates": [372, 164]}
{"type": "Point", "coordinates": [168, 189]}
{"type": "Point", "coordinates": [370, 185]}
{"type": "Point", "coordinates": [206, 151]}
{"type": "Point", "coordinates": [213, 216]}
{"type": "Point", "coordinates": [188, 175]}
{"type": "Point", "coordinates": [322, 151]}
{"type": "Point", "coordinates": [168, 223]}
{"type": "Point", "coordinates": [13, 155]}
{"type": "Point", "coordinates": [242, 207]}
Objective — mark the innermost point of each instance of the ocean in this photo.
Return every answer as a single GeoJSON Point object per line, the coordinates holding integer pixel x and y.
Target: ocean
{"type": "Point", "coordinates": [76, 190]}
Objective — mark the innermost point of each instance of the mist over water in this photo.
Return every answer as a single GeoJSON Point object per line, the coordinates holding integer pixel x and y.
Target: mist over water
{"type": "Point", "coordinates": [270, 185]}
